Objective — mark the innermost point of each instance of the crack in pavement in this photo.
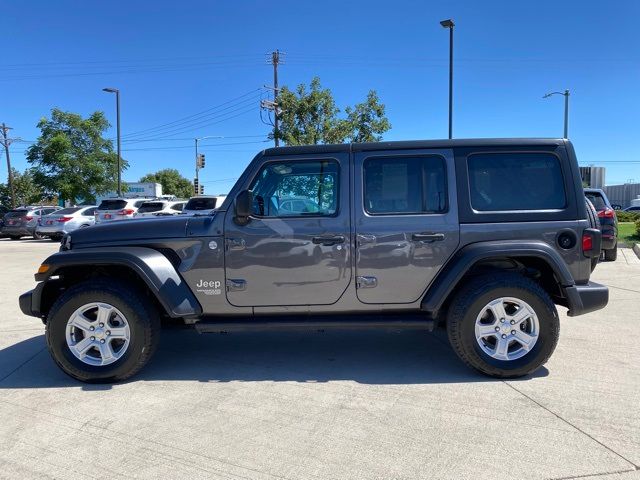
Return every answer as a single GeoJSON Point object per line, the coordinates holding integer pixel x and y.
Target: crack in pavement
{"type": "Point", "coordinates": [592, 475]}
{"type": "Point", "coordinates": [635, 467]}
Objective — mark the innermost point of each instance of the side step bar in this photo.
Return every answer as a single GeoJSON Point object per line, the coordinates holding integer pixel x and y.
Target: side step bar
{"type": "Point", "coordinates": [305, 323]}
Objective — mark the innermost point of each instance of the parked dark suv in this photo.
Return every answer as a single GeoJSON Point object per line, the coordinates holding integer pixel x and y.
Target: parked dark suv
{"type": "Point", "coordinates": [484, 237]}
{"type": "Point", "coordinates": [608, 221]}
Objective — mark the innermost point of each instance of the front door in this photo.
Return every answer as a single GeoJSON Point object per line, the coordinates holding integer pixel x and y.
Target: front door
{"type": "Point", "coordinates": [406, 222]}
{"type": "Point", "coordinates": [295, 249]}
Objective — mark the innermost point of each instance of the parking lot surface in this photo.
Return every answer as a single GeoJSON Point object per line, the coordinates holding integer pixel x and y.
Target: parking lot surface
{"type": "Point", "coordinates": [335, 405]}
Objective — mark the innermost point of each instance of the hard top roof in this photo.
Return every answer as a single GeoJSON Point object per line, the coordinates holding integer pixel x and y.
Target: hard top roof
{"type": "Point", "coordinates": [415, 144]}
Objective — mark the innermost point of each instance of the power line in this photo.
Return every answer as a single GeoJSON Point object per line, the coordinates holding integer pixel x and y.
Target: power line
{"type": "Point", "coordinates": [183, 119]}
{"type": "Point", "coordinates": [179, 147]}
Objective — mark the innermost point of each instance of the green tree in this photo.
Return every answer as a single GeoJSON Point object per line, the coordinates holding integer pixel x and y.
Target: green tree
{"type": "Point", "coordinates": [310, 116]}
{"type": "Point", "coordinates": [26, 191]}
{"type": "Point", "coordinates": [172, 182]}
{"type": "Point", "coordinates": [72, 158]}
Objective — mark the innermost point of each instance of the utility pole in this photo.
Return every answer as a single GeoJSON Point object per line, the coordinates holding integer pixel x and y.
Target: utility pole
{"type": "Point", "coordinates": [6, 142]}
{"type": "Point", "coordinates": [449, 24]}
{"type": "Point", "coordinates": [274, 60]}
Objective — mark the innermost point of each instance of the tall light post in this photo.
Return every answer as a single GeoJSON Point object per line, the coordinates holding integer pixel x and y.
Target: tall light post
{"type": "Point", "coordinates": [198, 166]}
{"type": "Point", "coordinates": [449, 24]}
{"type": "Point", "coordinates": [566, 109]}
{"type": "Point", "coordinates": [117, 92]}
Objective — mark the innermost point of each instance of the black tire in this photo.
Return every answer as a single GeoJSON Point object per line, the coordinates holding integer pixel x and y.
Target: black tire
{"type": "Point", "coordinates": [144, 324]}
{"type": "Point", "coordinates": [611, 254]}
{"type": "Point", "coordinates": [37, 236]}
{"type": "Point", "coordinates": [594, 222]}
{"type": "Point", "coordinates": [14, 237]}
{"type": "Point", "coordinates": [473, 297]}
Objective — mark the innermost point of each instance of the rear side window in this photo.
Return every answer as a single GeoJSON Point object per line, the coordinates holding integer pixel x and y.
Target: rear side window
{"type": "Point", "coordinates": [112, 205]}
{"type": "Point", "coordinates": [515, 181]}
{"type": "Point", "coordinates": [405, 185]}
{"type": "Point", "coordinates": [151, 207]}
{"type": "Point", "coordinates": [68, 211]}
{"type": "Point", "coordinates": [178, 206]}
{"type": "Point", "coordinates": [201, 204]}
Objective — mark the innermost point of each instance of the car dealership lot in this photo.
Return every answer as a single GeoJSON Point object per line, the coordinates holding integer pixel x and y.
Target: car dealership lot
{"type": "Point", "coordinates": [324, 405]}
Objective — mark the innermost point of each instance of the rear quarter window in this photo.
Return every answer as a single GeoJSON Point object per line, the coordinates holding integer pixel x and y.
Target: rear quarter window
{"type": "Point", "coordinates": [515, 182]}
{"type": "Point", "coordinates": [201, 204]}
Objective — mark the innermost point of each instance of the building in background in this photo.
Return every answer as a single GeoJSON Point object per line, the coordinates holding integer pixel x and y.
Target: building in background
{"type": "Point", "coordinates": [136, 189]}
{"type": "Point", "coordinates": [593, 177]}
{"type": "Point", "coordinates": [623, 195]}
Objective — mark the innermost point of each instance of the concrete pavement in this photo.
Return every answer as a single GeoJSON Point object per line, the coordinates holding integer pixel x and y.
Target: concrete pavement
{"type": "Point", "coordinates": [336, 405]}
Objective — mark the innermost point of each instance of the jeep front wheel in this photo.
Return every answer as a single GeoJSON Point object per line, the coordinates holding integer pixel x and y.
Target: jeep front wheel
{"type": "Point", "coordinates": [99, 331]}
{"type": "Point", "coordinates": [503, 324]}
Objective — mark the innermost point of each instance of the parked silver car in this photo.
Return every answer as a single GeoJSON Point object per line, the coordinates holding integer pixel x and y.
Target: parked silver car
{"type": "Point", "coordinates": [118, 208]}
{"type": "Point", "coordinates": [159, 208]}
{"type": "Point", "coordinates": [63, 221]}
{"type": "Point", "coordinates": [22, 221]}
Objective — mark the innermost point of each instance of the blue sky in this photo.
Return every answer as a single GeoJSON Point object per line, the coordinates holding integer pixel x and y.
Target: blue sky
{"type": "Point", "coordinates": [173, 60]}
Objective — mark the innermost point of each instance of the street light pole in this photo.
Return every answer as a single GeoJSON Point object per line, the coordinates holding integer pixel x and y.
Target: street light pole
{"type": "Point", "coordinates": [449, 24]}
{"type": "Point", "coordinates": [566, 109]}
{"type": "Point", "coordinates": [117, 92]}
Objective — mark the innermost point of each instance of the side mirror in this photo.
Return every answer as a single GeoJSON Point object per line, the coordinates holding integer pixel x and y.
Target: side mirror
{"type": "Point", "coordinates": [243, 207]}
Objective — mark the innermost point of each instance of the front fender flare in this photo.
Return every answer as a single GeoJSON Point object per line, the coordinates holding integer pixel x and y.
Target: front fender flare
{"type": "Point", "coordinates": [151, 266]}
{"type": "Point", "coordinates": [464, 260]}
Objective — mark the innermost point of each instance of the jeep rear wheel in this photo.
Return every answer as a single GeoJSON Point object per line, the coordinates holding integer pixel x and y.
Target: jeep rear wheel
{"type": "Point", "coordinates": [503, 324]}
{"type": "Point", "coordinates": [98, 331]}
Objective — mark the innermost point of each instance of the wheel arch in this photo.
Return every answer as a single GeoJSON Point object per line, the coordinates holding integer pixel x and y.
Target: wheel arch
{"type": "Point", "coordinates": [145, 267]}
{"type": "Point", "coordinates": [534, 259]}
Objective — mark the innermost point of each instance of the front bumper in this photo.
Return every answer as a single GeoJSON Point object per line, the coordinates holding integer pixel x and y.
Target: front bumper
{"type": "Point", "coordinates": [30, 301]}
{"type": "Point", "coordinates": [587, 298]}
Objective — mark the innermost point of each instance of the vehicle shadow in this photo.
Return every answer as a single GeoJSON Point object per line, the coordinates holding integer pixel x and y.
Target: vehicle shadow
{"type": "Point", "coordinates": [372, 357]}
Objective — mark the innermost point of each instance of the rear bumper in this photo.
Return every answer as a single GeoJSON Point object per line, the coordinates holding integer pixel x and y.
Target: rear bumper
{"type": "Point", "coordinates": [30, 301]}
{"type": "Point", "coordinates": [11, 230]}
{"type": "Point", "coordinates": [586, 298]}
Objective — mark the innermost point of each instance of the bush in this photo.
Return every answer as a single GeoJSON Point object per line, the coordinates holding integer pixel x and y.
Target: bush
{"type": "Point", "coordinates": [627, 216]}
{"type": "Point", "coordinates": [638, 228]}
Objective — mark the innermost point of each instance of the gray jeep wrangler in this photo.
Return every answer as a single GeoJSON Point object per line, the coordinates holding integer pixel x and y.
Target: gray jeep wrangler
{"type": "Point", "coordinates": [484, 237]}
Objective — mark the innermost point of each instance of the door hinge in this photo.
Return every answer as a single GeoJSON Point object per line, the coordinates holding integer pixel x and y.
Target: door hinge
{"type": "Point", "coordinates": [236, 285]}
{"type": "Point", "coordinates": [366, 282]}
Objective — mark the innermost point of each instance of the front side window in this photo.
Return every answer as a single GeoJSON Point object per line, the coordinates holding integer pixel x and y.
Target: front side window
{"type": "Point", "coordinates": [405, 185]}
{"type": "Point", "coordinates": [297, 188]}
{"type": "Point", "coordinates": [515, 181]}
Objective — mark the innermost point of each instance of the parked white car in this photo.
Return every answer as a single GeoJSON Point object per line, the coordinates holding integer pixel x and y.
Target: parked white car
{"type": "Point", "coordinates": [203, 205]}
{"type": "Point", "coordinates": [56, 224]}
{"type": "Point", "coordinates": [118, 208]}
{"type": "Point", "coordinates": [159, 208]}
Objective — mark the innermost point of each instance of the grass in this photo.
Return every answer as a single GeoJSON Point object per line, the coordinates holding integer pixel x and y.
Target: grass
{"type": "Point", "coordinates": [627, 233]}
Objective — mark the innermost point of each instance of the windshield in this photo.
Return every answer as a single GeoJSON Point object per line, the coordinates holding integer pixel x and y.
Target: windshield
{"type": "Point", "coordinates": [112, 204]}
{"type": "Point", "coordinates": [16, 213]}
{"type": "Point", "coordinates": [151, 207]}
{"type": "Point", "coordinates": [597, 200]}
{"type": "Point", "coordinates": [201, 204]}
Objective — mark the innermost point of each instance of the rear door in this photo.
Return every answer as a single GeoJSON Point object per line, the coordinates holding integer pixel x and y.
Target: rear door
{"type": "Point", "coordinates": [406, 222]}
{"type": "Point", "coordinates": [283, 257]}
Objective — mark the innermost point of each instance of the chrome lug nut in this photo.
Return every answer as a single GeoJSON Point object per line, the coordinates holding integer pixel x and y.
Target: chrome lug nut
{"type": "Point", "coordinates": [93, 338]}
{"type": "Point", "coordinates": [102, 341]}
{"type": "Point", "coordinates": [502, 320]}
{"type": "Point", "coordinates": [108, 332]}
{"type": "Point", "coordinates": [504, 336]}
{"type": "Point", "coordinates": [513, 322]}
{"type": "Point", "coordinates": [102, 325]}
{"type": "Point", "coordinates": [497, 329]}
{"type": "Point", "coordinates": [92, 328]}
{"type": "Point", "coordinates": [513, 332]}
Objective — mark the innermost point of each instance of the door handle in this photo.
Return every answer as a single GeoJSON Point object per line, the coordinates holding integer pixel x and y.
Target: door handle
{"type": "Point", "coordinates": [427, 237]}
{"type": "Point", "coordinates": [328, 240]}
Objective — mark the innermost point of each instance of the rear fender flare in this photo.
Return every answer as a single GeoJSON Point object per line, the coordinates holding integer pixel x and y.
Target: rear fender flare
{"type": "Point", "coordinates": [468, 256]}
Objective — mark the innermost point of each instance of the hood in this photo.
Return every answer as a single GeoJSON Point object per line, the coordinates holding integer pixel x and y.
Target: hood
{"type": "Point", "coordinates": [134, 229]}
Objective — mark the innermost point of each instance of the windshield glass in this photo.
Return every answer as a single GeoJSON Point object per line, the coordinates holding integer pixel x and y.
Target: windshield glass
{"type": "Point", "coordinates": [201, 204]}
{"type": "Point", "coordinates": [112, 204]}
{"type": "Point", "coordinates": [151, 207]}
{"type": "Point", "coordinates": [597, 200]}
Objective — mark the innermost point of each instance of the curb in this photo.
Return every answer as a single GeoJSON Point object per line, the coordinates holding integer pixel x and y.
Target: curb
{"type": "Point", "coordinates": [636, 249]}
